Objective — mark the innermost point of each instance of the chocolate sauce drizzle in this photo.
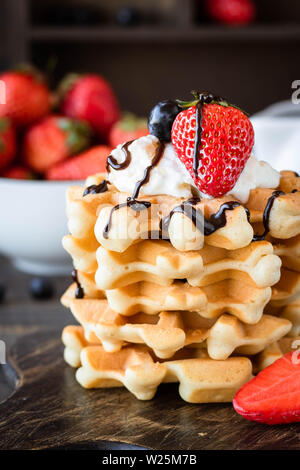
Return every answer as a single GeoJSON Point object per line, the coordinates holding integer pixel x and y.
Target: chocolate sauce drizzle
{"type": "Point", "coordinates": [112, 162]}
{"type": "Point", "coordinates": [204, 98]}
{"type": "Point", "coordinates": [134, 205]}
{"type": "Point", "coordinates": [155, 160]}
{"type": "Point", "coordinates": [131, 201]}
{"type": "Point", "coordinates": [206, 225]}
{"type": "Point", "coordinates": [96, 188]}
{"type": "Point", "coordinates": [79, 292]}
{"type": "Point", "coordinates": [266, 216]}
{"type": "Point", "coordinates": [198, 137]}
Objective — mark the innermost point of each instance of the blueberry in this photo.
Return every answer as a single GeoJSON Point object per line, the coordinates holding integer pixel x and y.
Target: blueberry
{"type": "Point", "coordinates": [2, 292]}
{"type": "Point", "coordinates": [127, 16]}
{"type": "Point", "coordinates": [41, 288]}
{"type": "Point", "coordinates": [161, 119]}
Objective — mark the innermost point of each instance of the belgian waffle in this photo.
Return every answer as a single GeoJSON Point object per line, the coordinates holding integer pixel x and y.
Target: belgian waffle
{"type": "Point", "coordinates": [200, 379]}
{"type": "Point", "coordinates": [159, 262]}
{"type": "Point", "coordinates": [168, 332]}
{"type": "Point", "coordinates": [181, 309]}
{"type": "Point", "coordinates": [275, 351]}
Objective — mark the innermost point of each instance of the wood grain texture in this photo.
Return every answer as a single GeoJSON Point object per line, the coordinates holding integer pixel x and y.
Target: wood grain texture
{"type": "Point", "coordinates": [51, 410]}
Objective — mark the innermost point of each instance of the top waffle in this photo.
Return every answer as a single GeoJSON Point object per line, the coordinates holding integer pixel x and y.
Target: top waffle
{"type": "Point", "coordinates": [92, 222]}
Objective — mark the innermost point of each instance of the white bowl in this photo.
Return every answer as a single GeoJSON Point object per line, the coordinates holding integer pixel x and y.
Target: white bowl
{"type": "Point", "coordinates": [277, 141]}
{"type": "Point", "coordinates": [32, 224]}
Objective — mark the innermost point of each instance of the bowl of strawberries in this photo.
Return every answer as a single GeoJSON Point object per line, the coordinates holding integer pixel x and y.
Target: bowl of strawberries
{"type": "Point", "coordinates": [48, 141]}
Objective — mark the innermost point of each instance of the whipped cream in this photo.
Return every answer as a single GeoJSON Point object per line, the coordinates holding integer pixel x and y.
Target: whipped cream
{"type": "Point", "coordinates": [256, 174]}
{"type": "Point", "coordinates": [171, 177]}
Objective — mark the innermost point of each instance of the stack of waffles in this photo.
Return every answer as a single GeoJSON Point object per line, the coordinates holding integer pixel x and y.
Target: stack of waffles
{"type": "Point", "coordinates": [160, 299]}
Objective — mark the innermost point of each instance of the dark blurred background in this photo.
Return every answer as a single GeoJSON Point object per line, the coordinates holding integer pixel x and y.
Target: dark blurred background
{"type": "Point", "coordinates": [162, 48]}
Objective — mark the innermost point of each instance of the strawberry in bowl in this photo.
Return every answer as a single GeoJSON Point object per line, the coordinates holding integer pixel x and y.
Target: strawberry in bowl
{"type": "Point", "coordinates": [54, 139]}
{"type": "Point", "coordinates": [27, 97]}
{"type": "Point", "coordinates": [129, 127]}
{"type": "Point", "coordinates": [7, 143]}
{"type": "Point", "coordinates": [90, 97]}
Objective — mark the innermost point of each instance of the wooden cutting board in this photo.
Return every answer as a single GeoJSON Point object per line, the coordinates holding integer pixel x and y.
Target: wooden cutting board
{"type": "Point", "coordinates": [50, 410]}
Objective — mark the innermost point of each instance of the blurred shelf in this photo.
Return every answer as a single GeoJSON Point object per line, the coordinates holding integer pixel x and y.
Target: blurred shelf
{"type": "Point", "coordinates": [205, 33]}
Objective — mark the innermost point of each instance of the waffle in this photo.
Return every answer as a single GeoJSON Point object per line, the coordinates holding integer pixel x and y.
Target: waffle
{"type": "Point", "coordinates": [168, 332]}
{"type": "Point", "coordinates": [201, 380]}
{"type": "Point", "coordinates": [74, 341]}
{"type": "Point", "coordinates": [88, 212]}
{"type": "Point", "coordinates": [88, 215]}
{"type": "Point", "coordinates": [183, 308]}
{"type": "Point", "coordinates": [289, 181]}
{"type": "Point", "coordinates": [284, 221]}
{"type": "Point", "coordinates": [159, 262]}
{"type": "Point", "coordinates": [83, 252]}
{"type": "Point", "coordinates": [231, 296]}
{"type": "Point", "coordinates": [287, 290]}
{"type": "Point", "coordinates": [275, 351]}
{"type": "Point", "coordinates": [289, 252]}
{"type": "Point", "coordinates": [292, 313]}
{"type": "Point", "coordinates": [83, 214]}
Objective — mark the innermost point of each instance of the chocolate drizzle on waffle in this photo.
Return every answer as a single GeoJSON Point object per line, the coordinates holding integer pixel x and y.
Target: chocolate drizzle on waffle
{"type": "Point", "coordinates": [131, 201]}
{"type": "Point", "coordinates": [133, 204]}
{"type": "Point", "coordinates": [207, 226]}
{"type": "Point", "coordinates": [266, 216]}
{"type": "Point", "coordinates": [79, 292]}
{"type": "Point", "coordinates": [112, 162]}
{"type": "Point", "coordinates": [96, 188]}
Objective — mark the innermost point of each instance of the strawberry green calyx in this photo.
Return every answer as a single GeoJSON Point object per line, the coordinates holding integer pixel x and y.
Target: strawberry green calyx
{"type": "Point", "coordinates": [67, 84]}
{"type": "Point", "coordinates": [4, 124]}
{"type": "Point", "coordinates": [32, 71]}
{"type": "Point", "coordinates": [207, 98]}
{"type": "Point", "coordinates": [130, 122]}
{"type": "Point", "coordinates": [78, 133]}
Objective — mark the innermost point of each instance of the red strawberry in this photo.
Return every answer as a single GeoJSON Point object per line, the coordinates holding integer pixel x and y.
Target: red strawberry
{"type": "Point", "coordinates": [81, 166]}
{"type": "Point", "coordinates": [273, 396]}
{"type": "Point", "coordinates": [52, 140]}
{"type": "Point", "coordinates": [233, 12]}
{"type": "Point", "coordinates": [128, 128]}
{"type": "Point", "coordinates": [7, 142]}
{"type": "Point", "coordinates": [90, 97]}
{"type": "Point", "coordinates": [18, 172]}
{"type": "Point", "coordinates": [226, 142]}
{"type": "Point", "coordinates": [26, 95]}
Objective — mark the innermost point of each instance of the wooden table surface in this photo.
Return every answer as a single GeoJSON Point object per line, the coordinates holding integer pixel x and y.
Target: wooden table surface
{"type": "Point", "coordinates": [50, 410]}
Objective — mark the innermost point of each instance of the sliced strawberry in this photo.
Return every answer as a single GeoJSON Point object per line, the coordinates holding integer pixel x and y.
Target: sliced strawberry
{"type": "Point", "coordinates": [54, 139]}
{"type": "Point", "coordinates": [225, 141]}
{"type": "Point", "coordinates": [128, 128]}
{"type": "Point", "coordinates": [18, 172]}
{"type": "Point", "coordinates": [81, 166]}
{"type": "Point", "coordinates": [273, 396]}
